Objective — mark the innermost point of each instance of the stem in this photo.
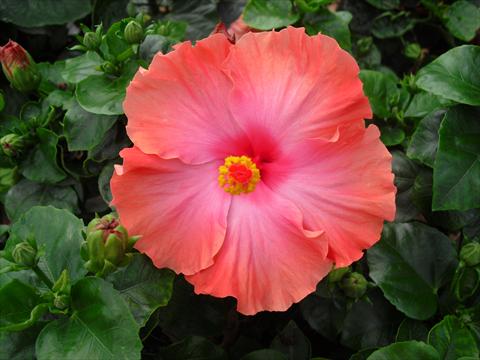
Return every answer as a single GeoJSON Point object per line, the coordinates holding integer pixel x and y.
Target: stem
{"type": "Point", "coordinates": [41, 275]}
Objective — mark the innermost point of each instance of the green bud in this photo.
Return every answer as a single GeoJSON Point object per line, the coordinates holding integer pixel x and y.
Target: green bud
{"type": "Point", "coordinates": [62, 285]}
{"type": "Point", "coordinates": [61, 301]}
{"type": "Point", "coordinates": [470, 254]}
{"type": "Point", "coordinates": [337, 274]}
{"type": "Point", "coordinates": [364, 44]}
{"type": "Point", "coordinates": [25, 254]}
{"type": "Point", "coordinates": [19, 67]}
{"type": "Point", "coordinates": [92, 40]}
{"type": "Point", "coordinates": [133, 32]}
{"type": "Point", "coordinates": [96, 251]}
{"type": "Point", "coordinates": [354, 285]}
{"type": "Point", "coordinates": [465, 282]}
{"type": "Point", "coordinates": [109, 68]}
{"type": "Point", "coordinates": [12, 144]}
{"type": "Point", "coordinates": [413, 51]}
{"type": "Point", "coordinates": [114, 249]}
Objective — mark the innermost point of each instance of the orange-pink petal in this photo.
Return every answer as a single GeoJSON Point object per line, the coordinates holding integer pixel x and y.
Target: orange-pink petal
{"type": "Point", "coordinates": [179, 210]}
{"type": "Point", "coordinates": [268, 260]}
{"type": "Point", "coordinates": [178, 108]}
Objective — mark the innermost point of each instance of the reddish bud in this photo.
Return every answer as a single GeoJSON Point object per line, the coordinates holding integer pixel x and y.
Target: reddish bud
{"type": "Point", "coordinates": [19, 67]}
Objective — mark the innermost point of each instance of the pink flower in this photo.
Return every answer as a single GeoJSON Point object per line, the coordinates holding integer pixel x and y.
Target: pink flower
{"type": "Point", "coordinates": [252, 171]}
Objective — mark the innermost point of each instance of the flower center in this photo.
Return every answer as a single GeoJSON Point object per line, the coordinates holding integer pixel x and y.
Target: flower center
{"type": "Point", "coordinates": [239, 174]}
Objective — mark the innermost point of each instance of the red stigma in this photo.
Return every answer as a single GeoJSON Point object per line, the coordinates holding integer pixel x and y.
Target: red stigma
{"type": "Point", "coordinates": [240, 173]}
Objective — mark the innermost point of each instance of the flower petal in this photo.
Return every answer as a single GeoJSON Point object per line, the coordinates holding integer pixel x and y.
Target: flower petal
{"type": "Point", "coordinates": [268, 261]}
{"type": "Point", "coordinates": [344, 188]}
{"type": "Point", "coordinates": [178, 107]}
{"type": "Point", "coordinates": [301, 86]}
{"type": "Point", "coordinates": [179, 209]}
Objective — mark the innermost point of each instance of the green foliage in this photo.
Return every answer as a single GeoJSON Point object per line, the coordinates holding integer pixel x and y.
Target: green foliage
{"type": "Point", "coordinates": [416, 293]}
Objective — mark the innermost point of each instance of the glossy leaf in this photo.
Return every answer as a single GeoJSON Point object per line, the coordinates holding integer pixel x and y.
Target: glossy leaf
{"type": "Point", "coordinates": [100, 318]}
{"type": "Point", "coordinates": [452, 339]}
{"type": "Point", "coordinates": [292, 342]}
{"type": "Point", "coordinates": [410, 329]}
{"type": "Point", "coordinates": [457, 165]}
{"type": "Point", "coordinates": [19, 345]}
{"type": "Point", "coordinates": [462, 19]}
{"type": "Point", "coordinates": [424, 103]}
{"type": "Point", "coordinates": [80, 67]}
{"type": "Point", "coordinates": [334, 24]}
{"type": "Point", "coordinates": [266, 15]}
{"type": "Point", "coordinates": [406, 350]}
{"type": "Point", "coordinates": [144, 287]}
{"type": "Point", "coordinates": [410, 263]}
{"type": "Point", "coordinates": [27, 194]}
{"type": "Point", "coordinates": [391, 25]}
{"type": "Point", "coordinates": [454, 75]}
{"type": "Point", "coordinates": [406, 172]}
{"type": "Point", "coordinates": [379, 88]}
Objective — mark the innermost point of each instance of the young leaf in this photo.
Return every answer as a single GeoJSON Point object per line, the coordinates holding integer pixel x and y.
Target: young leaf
{"type": "Point", "coordinates": [267, 15]}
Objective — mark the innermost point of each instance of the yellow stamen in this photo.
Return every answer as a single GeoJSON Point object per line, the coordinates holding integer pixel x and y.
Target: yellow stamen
{"type": "Point", "coordinates": [239, 174]}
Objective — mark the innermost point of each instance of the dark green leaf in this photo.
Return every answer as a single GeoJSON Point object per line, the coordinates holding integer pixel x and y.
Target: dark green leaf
{"type": "Point", "coordinates": [41, 164]}
{"type": "Point", "coordinates": [19, 345]}
{"type": "Point", "coordinates": [410, 263]}
{"type": "Point", "coordinates": [100, 318]}
{"type": "Point", "coordinates": [391, 25]}
{"type": "Point", "coordinates": [371, 322]}
{"type": "Point", "coordinates": [292, 342]}
{"type": "Point", "coordinates": [104, 183]}
{"type": "Point", "coordinates": [385, 4]}
{"type": "Point", "coordinates": [266, 15]}
{"type": "Point", "coordinates": [85, 130]}
{"type": "Point", "coordinates": [424, 103]}
{"type": "Point", "coordinates": [193, 348]}
{"type": "Point", "coordinates": [452, 339]}
{"type": "Point", "coordinates": [265, 354]}
{"type": "Point", "coordinates": [379, 88]}
{"type": "Point", "coordinates": [411, 329]}
{"type": "Point", "coordinates": [35, 13]}
{"type": "Point", "coordinates": [20, 306]}
{"type": "Point", "coordinates": [424, 141]}
{"type": "Point", "coordinates": [405, 171]}
{"type": "Point", "coordinates": [144, 287]}
{"type": "Point", "coordinates": [457, 165]}
{"type": "Point", "coordinates": [392, 136]}
{"type": "Point", "coordinates": [406, 350]}
{"type": "Point", "coordinates": [80, 67]}
{"type": "Point", "coordinates": [58, 235]}
{"type": "Point", "coordinates": [334, 24]}
{"type": "Point", "coordinates": [455, 75]}
{"type": "Point", "coordinates": [462, 19]}
{"type": "Point", "coordinates": [27, 194]}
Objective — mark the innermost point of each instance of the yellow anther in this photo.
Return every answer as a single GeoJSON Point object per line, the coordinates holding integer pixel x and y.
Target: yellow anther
{"type": "Point", "coordinates": [239, 174]}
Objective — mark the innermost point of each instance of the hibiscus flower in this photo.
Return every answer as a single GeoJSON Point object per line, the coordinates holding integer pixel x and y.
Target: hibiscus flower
{"type": "Point", "coordinates": [252, 172]}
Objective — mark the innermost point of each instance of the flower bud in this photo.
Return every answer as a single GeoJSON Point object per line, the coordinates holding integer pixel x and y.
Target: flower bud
{"type": "Point", "coordinates": [62, 285]}
{"type": "Point", "coordinates": [133, 32]}
{"type": "Point", "coordinates": [108, 68]}
{"type": "Point", "coordinates": [91, 40]}
{"type": "Point", "coordinates": [470, 254]}
{"type": "Point", "coordinates": [337, 274]}
{"type": "Point", "coordinates": [12, 144]}
{"type": "Point", "coordinates": [61, 301]}
{"type": "Point", "coordinates": [354, 285]}
{"type": "Point", "coordinates": [25, 254]}
{"type": "Point", "coordinates": [413, 51]}
{"type": "Point", "coordinates": [96, 251]}
{"type": "Point", "coordinates": [19, 67]}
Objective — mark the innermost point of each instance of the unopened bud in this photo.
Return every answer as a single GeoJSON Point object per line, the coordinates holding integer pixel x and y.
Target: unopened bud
{"type": "Point", "coordinates": [354, 285]}
{"type": "Point", "coordinates": [12, 144]}
{"type": "Point", "coordinates": [25, 254]}
{"type": "Point", "coordinates": [19, 67]}
{"type": "Point", "coordinates": [413, 51]}
{"type": "Point", "coordinates": [108, 68]}
{"type": "Point", "coordinates": [91, 40]}
{"type": "Point", "coordinates": [62, 285]}
{"type": "Point", "coordinates": [337, 274]}
{"type": "Point", "coordinates": [133, 32]}
{"type": "Point", "coordinates": [61, 301]}
{"type": "Point", "coordinates": [470, 254]}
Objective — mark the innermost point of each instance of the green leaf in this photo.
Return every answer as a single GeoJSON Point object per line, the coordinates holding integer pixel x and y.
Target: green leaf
{"type": "Point", "coordinates": [371, 322]}
{"type": "Point", "coordinates": [20, 306]}
{"type": "Point", "coordinates": [392, 25]}
{"type": "Point", "coordinates": [385, 4]}
{"type": "Point", "coordinates": [392, 135]}
{"type": "Point", "coordinates": [454, 75]}
{"type": "Point", "coordinates": [144, 287]}
{"type": "Point", "coordinates": [27, 194]}
{"type": "Point", "coordinates": [19, 345]}
{"type": "Point", "coordinates": [462, 19]}
{"type": "Point", "coordinates": [379, 88]}
{"type": "Point", "coordinates": [410, 263]}
{"type": "Point", "coordinates": [334, 24]}
{"type": "Point", "coordinates": [452, 339]}
{"type": "Point", "coordinates": [100, 327]}
{"type": "Point", "coordinates": [265, 354]}
{"type": "Point", "coordinates": [193, 347]}
{"type": "Point", "coordinates": [102, 94]}
{"type": "Point", "coordinates": [424, 141]}
{"type": "Point", "coordinates": [292, 342]}
{"type": "Point", "coordinates": [85, 130]}
{"type": "Point", "coordinates": [405, 350]}
{"type": "Point", "coordinates": [36, 13]}
{"type": "Point", "coordinates": [424, 103]}
{"type": "Point", "coordinates": [80, 67]}
{"type": "Point", "coordinates": [405, 171]}
{"type": "Point", "coordinates": [104, 183]}
{"type": "Point", "coordinates": [266, 15]}
{"type": "Point", "coordinates": [41, 164]}
{"type": "Point", "coordinates": [411, 329]}
{"type": "Point", "coordinates": [457, 165]}
{"type": "Point", "coordinates": [58, 235]}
